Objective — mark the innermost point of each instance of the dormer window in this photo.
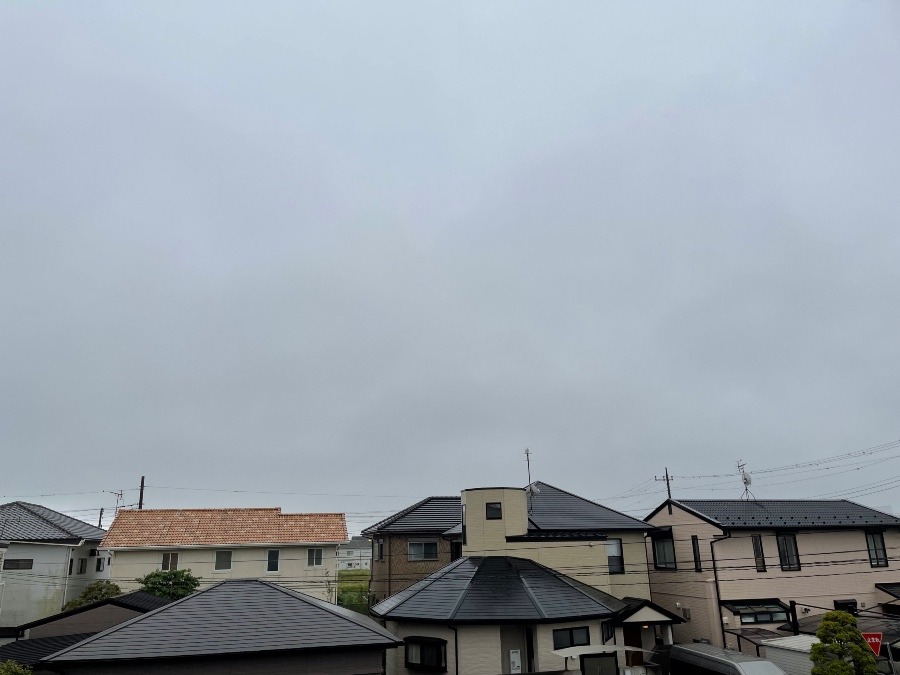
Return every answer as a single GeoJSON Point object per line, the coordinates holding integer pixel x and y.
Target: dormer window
{"type": "Point", "coordinates": [493, 511]}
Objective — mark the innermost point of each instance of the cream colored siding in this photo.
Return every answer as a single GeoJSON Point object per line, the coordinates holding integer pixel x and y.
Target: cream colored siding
{"type": "Point", "coordinates": [246, 563]}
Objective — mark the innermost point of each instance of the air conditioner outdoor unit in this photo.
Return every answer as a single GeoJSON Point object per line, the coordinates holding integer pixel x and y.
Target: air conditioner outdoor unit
{"type": "Point", "coordinates": [847, 606]}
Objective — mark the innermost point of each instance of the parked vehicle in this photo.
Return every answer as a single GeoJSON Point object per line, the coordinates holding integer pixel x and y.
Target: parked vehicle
{"type": "Point", "coordinates": [703, 659]}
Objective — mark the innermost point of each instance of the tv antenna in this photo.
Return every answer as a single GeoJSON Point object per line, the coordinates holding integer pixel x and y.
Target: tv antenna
{"type": "Point", "coordinates": [532, 488]}
{"type": "Point", "coordinates": [745, 478]}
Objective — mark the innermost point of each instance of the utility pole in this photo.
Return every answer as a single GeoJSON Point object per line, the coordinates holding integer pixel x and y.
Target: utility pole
{"type": "Point", "coordinates": [141, 498]}
{"type": "Point", "coordinates": [668, 480]}
{"type": "Point", "coordinates": [100, 522]}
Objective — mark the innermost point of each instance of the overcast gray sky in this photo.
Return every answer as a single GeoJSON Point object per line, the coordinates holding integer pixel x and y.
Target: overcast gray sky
{"type": "Point", "coordinates": [354, 254]}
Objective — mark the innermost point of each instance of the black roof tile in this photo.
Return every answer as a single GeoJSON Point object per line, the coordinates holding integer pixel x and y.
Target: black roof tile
{"type": "Point", "coordinates": [497, 589]}
{"type": "Point", "coordinates": [139, 601]}
{"type": "Point", "coordinates": [432, 514]}
{"type": "Point", "coordinates": [232, 617]}
{"type": "Point", "coordinates": [29, 652]}
{"type": "Point", "coordinates": [21, 521]}
{"type": "Point", "coordinates": [788, 513]}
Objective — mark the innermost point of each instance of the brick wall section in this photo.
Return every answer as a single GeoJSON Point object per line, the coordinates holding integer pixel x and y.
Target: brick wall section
{"type": "Point", "coordinates": [834, 565]}
{"type": "Point", "coordinates": [396, 571]}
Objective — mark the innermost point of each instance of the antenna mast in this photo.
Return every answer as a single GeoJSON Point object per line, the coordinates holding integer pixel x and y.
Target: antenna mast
{"type": "Point", "coordinates": [745, 477]}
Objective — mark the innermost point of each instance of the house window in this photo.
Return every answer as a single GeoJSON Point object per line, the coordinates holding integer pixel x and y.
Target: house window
{"type": "Point", "coordinates": [82, 566]}
{"type": "Point", "coordinates": [71, 565]}
{"type": "Point", "coordinates": [571, 637]}
{"type": "Point", "coordinates": [664, 552]}
{"type": "Point", "coordinates": [170, 561]}
{"type": "Point", "coordinates": [877, 551]}
{"type": "Point", "coordinates": [272, 560]}
{"type": "Point", "coordinates": [379, 549]}
{"type": "Point", "coordinates": [764, 612]}
{"type": "Point", "coordinates": [426, 653]}
{"type": "Point", "coordinates": [463, 513]}
{"type": "Point", "coordinates": [695, 548]}
{"type": "Point", "coordinates": [607, 631]}
{"type": "Point", "coordinates": [455, 550]}
{"type": "Point", "coordinates": [758, 553]}
{"type": "Point", "coordinates": [787, 552]}
{"type": "Point", "coordinates": [100, 562]}
{"type": "Point", "coordinates": [313, 557]}
{"type": "Point", "coordinates": [223, 561]}
{"type": "Point", "coordinates": [614, 559]}
{"type": "Point", "coordinates": [493, 511]}
{"type": "Point", "coordinates": [18, 563]}
{"type": "Point", "coordinates": [423, 550]}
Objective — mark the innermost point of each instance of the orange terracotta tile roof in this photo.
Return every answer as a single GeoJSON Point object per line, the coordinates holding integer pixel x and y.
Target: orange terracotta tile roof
{"type": "Point", "coordinates": [198, 527]}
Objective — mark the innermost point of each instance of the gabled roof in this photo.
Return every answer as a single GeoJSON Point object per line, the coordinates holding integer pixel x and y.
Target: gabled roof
{"type": "Point", "coordinates": [21, 521]}
{"type": "Point", "coordinates": [432, 514]}
{"type": "Point", "coordinates": [784, 513]}
{"type": "Point", "coordinates": [555, 509]}
{"type": "Point", "coordinates": [892, 589]}
{"type": "Point", "coordinates": [134, 528]}
{"type": "Point", "coordinates": [29, 652]}
{"type": "Point", "coordinates": [230, 618]}
{"type": "Point", "coordinates": [138, 601]}
{"type": "Point", "coordinates": [497, 589]}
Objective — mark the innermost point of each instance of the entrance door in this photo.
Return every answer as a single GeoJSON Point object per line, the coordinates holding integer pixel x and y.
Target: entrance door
{"type": "Point", "coordinates": [631, 634]}
{"type": "Point", "coordinates": [599, 664]}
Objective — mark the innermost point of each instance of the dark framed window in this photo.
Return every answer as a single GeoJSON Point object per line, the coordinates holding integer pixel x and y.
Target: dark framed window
{"type": "Point", "coordinates": [273, 557]}
{"type": "Point", "coordinates": [170, 561]}
{"type": "Point", "coordinates": [788, 555]}
{"type": "Point", "coordinates": [614, 559]}
{"type": "Point", "coordinates": [100, 564]}
{"type": "Point", "coordinates": [877, 551]}
{"type": "Point", "coordinates": [463, 513]}
{"type": "Point", "coordinates": [695, 548]}
{"type": "Point", "coordinates": [664, 552]}
{"type": "Point", "coordinates": [571, 637]}
{"type": "Point", "coordinates": [313, 557]}
{"type": "Point", "coordinates": [18, 563]}
{"type": "Point", "coordinates": [71, 565]}
{"type": "Point", "coordinates": [379, 549]}
{"type": "Point", "coordinates": [426, 654]}
{"type": "Point", "coordinates": [607, 631]}
{"type": "Point", "coordinates": [759, 612]}
{"type": "Point", "coordinates": [493, 511]}
{"type": "Point", "coordinates": [455, 550]}
{"type": "Point", "coordinates": [423, 550]}
{"type": "Point", "coordinates": [82, 566]}
{"type": "Point", "coordinates": [758, 555]}
{"type": "Point", "coordinates": [223, 561]}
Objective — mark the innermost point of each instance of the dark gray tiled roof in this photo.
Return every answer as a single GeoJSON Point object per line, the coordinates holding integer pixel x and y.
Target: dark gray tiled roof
{"type": "Point", "coordinates": [233, 617]}
{"type": "Point", "coordinates": [432, 514]}
{"type": "Point", "coordinates": [356, 543]}
{"type": "Point", "coordinates": [497, 589]}
{"type": "Point", "coordinates": [555, 509]}
{"type": "Point", "coordinates": [791, 513]}
{"type": "Point", "coordinates": [139, 601]}
{"type": "Point", "coordinates": [891, 588]}
{"type": "Point", "coordinates": [32, 522]}
{"type": "Point", "coordinates": [29, 652]}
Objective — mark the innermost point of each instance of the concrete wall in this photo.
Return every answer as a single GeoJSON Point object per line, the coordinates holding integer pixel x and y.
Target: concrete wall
{"type": "Point", "coordinates": [396, 571]}
{"type": "Point", "coordinates": [834, 565]}
{"type": "Point", "coordinates": [343, 662]}
{"type": "Point", "coordinates": [28, 595]}
{"type": "Point", "coordinates": [246, 563]}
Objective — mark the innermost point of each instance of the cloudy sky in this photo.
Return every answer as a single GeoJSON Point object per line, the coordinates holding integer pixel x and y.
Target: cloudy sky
{"type": "Point", "coordinates": [343, 256]}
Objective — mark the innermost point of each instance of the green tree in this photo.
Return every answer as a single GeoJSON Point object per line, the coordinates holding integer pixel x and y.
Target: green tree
{"type": "Point", "coordinates": [172, 584]}
{"type": "Point", "coordinates": [841, 649]}
{"type": "Point", "coordinates": [99, 590]}
{"type": "Point", "coordinates": [13, 668]}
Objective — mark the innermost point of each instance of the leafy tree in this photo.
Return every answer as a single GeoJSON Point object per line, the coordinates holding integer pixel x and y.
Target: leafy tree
{"type": "Point", "coordinates": [13, 668]}
{"type": "Point", "coordinates": [99, 590]}
{"type": "Point", "coordinates": [841, 649]}
{"type": "Point", "coordinates": [172, 584]}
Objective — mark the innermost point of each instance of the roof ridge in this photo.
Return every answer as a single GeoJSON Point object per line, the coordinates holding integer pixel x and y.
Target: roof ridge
{"type": "Point", "coordinates": [446, 568]}
{"type": "Point", "coordinates": [531, 597]}
{"type": "Point", "coordinates": [27, 506]}
{"type": "Point", "coordinates": [590, 501]}
{"type": "Point", "coordinates": [574, 584]}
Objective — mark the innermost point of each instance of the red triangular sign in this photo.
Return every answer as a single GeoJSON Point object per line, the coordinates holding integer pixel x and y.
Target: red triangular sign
{"type": "Point", "coordinates": [874, 641]}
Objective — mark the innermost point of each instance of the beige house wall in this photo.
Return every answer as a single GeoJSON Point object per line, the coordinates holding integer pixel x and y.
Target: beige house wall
{"type": "Point", "coordinates": [545, 660]}
{"type": "Point", "coordinates": [396, 571]}
{"type": "Point", "coordinates": [479, 648]}
{"type": "Point", "coordinates": [585, 561]}
{"type": "Point", "coordinates": [246, 563]}
{"type": "Point", "coordinates": [834, 565]}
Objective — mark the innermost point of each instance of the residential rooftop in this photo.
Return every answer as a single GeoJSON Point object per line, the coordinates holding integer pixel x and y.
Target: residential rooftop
{"type": "Point", "coordinates": [21, 521]}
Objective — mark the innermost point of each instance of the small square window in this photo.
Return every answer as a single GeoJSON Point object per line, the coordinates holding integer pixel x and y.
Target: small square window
{"type": "Point", "coordinates": [493, 511]}
{"type": "Point", "coordinates": [313, 557]}
{"type": "Point", "coordinates": [272, 560]}
{"type": "Point", "coordinates": [223, 561]}
{"type": "Point", "coordinates": [426, 654]}
{"type": "Point", "coordinates": [423, 550]}
{"type": "Point", "coordinates": [169, 561]}
{"type": "Point", "coordinates": [877, 550]}
{"type": "Point", "coordinates": [571, 637]}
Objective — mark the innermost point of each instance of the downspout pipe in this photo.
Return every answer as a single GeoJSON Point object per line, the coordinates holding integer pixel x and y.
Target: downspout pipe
{"type": "Point", "coordinates": [715, 566]}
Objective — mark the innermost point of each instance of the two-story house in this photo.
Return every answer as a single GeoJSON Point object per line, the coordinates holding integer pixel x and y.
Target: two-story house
{"type": "Point", "coordinates": [413, 543]}
{"type": "Point", "coordinates": [48, 560]}
{"type": "Point", "coordinates": [297, 550]}
{"type": "Point", "coordinates": [731, 567]}
{"type": "Point", "coordinates": [356, 554]}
